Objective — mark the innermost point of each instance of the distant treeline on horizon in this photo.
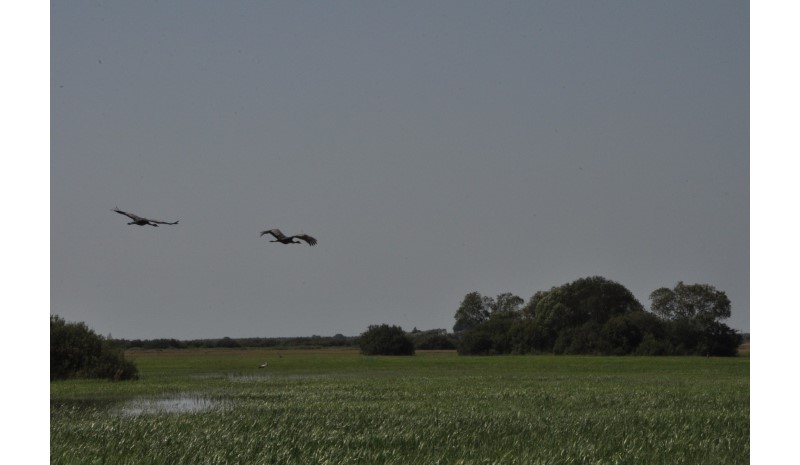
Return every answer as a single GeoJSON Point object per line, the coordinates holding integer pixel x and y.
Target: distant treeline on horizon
{"type": "Point", "coordinates": [434, 339]}
{"type": "Point", "coordinates": [422, 340]}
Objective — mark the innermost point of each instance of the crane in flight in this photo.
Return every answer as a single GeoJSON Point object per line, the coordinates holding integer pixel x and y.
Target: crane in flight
{"type": "Point", "coordinates": [283, 239]}
{"type": "Point", "coordinates": [138, 220]}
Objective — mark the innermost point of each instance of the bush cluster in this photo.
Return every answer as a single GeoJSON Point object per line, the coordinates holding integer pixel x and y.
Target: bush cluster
{"type": "Point", "coordinates": [77, 352]}
{"type": "Point", "coordinates": [433, 339]}
{"type": "Point", "coordinates": [385, 340]}
{"type": "Point", "coordinates": [599, 317]}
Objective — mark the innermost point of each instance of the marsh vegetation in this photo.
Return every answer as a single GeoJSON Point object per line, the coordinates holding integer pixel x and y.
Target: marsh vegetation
{"type": "Point", "coordinates": [335, 406]}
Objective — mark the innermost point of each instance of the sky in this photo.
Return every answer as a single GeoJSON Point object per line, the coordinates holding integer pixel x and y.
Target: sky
{"type": "Point", "coordinates": [433, 149]}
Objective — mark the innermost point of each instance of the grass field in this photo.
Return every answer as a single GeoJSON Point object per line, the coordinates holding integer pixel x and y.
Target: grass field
{"type": "Point", "coordinates": [334, 406]}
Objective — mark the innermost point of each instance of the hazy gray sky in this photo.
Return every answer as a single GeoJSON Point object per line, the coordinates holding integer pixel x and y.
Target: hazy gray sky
{"type": "Point", "coordinates": [433, 149]}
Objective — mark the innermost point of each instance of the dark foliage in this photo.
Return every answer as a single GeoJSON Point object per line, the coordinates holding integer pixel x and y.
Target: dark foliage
{"type": "Point", "coordinates": [689, 336]}
{"type": "Point", "coordinates": [491, 337]}
{"type": "Point", "coordinates": [584, 339]}
{"type": "Point", "coordinates": [435, 339]}
{"type": "Point", "coordinates": [690, 301]}
{"type": "Point", "coordinates": [527, 338]}
{"type": "Point", "coordinates": [623, 334]}
{"type": "Point", "coordinates": [77, 352]}
{"type": "Point", "coordinates": [277, 342]}
{"type": "Point", "coordinates": [594, 299]}
{"type": "Point", "coordinates": [692, 314]}
{"type": "Point", "coordinates": [227, 342]}
{"type": "Point", "coordinates": [472, 312]}
{"type": "Point", "coordinates": [153, 344]}
{"type": "Point", "coordinates": [385, 340]}
{"type": "Point", "coordinates": [601, 317]}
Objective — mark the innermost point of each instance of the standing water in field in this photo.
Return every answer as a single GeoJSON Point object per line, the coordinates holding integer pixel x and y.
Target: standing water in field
{"type": "Point", "coordinates": [179, 404]}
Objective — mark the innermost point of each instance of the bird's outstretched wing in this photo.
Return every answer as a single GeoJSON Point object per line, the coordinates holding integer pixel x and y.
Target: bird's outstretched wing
{"type": "Point", "coordinates": [129, 215]}
{"type": "Point", "coordinates": [307, 238]}
{"type": "Point", "coordinates": [162, 222]}
{"type": "Point", "coordinates": [276, 233]}
{"type": "Point", "coordinates": [141, 220]}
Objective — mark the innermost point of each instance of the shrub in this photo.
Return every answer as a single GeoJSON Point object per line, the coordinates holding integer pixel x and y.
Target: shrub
{"type": "Point", "coordinates": [584, 339]}
{"type": "Point", "coordinates": [491, 337]}
{"type": "Point", "coordinates": [475, 342]}
{"type": "Point", "coordinates": [385, 340]}
{"type": "Point", "coordinates": [434, 342]}
{"type": "Point", "coordinates": [652, 346]}
{"type": "Point", "coordinates": [528, 338]}
{"type": "Point", "coordinates": [77, 352]}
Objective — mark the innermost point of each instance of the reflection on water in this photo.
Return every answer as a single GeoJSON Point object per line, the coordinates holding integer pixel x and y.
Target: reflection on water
{"type": "Point", "coordinates": [177, 404]}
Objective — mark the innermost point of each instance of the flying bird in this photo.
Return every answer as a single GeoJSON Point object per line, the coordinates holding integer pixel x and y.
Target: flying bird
{"type": "Point", "coordinates": [283, 239]}
{"type": "Point", "coordinates": [263, 365]}
{"type": "Point", "coordinates": [138, 220]}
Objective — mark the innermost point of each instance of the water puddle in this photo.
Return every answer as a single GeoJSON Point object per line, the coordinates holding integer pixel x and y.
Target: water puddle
{"type": "Point", "coordinates": [177, 404]}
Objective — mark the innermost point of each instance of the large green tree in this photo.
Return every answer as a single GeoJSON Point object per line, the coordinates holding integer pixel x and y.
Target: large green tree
{"type": "Point", "coordinates": [476, 309]}
{"type": "Point", "coordinates": [701, 301]}
{"type": "Point", "coordinates": [491, 337]}
{"type": "Point", "coordinates": [692, 313]}
{"type": "Point", "coordinates": [472, 312]}
{"type": "Point", "coordinates": [529, 310]}
{"type": "Point", "coordinates": [505, 305]}
{"type": "Point", "coordinates": [586, 303]}
{"type": "Point", "coordinates": [591, 315]}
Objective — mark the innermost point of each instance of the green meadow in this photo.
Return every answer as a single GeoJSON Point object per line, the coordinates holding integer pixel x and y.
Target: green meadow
{"type": "Point", "coordinates": [334, 406]}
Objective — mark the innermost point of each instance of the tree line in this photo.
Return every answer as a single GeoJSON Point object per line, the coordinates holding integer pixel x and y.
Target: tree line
{"type": "Point", "coordinates": [433, 339]}
{"type": "Point", "coordinates": [590, 315]}
{"type": "Point", "coordinates": [595, 315]}
{"type": "Point", "coordinates": [337, 340]}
